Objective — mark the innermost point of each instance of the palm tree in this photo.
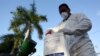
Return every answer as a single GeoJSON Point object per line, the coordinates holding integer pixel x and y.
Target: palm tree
{"type": "Point", "coordinates": [28, 19]}
{"type": "Point", "coordinates": [23, 23]}
{"type": "Point", "coordinates": [8, 43]}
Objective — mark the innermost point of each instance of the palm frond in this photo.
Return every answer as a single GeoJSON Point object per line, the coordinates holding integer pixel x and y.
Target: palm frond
{"type": "Point", "coordinates": [7, 43]}
{"type": "Point", "coordinates": [27, 18]}
{"type": "Point", "coordinates": [42, 18]}
{"type": "Point", "coordinates": [8, 37]}
{"type": "Point", "coordinates": [39, 29]}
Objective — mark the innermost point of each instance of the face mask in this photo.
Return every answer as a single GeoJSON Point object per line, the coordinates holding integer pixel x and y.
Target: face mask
{"type": "Point", "coordinates": [64, 15]}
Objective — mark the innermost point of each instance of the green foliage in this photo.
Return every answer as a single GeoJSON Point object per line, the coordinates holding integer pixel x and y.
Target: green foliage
{"type": "Point", "coordinates": [7, 43]}
{"type": "Point", "coordinates": [28, 18]}
{"type": "Point", "coordinates": [23, 19]}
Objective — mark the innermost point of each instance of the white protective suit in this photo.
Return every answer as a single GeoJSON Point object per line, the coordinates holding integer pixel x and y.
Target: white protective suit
{"type": "Point", "coordinates": [76, 43]}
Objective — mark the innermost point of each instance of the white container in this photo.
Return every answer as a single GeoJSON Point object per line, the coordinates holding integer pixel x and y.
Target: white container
{"type": "Point", "coordinates": [55, 44]}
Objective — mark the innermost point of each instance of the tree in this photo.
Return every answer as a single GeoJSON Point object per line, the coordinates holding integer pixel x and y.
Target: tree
{"type": "Point", "coordinates": [24, 21]}
{"type": "Point", "coordinates": [9, 44]}
{"type": "Point", "coordinates": [29, 20]}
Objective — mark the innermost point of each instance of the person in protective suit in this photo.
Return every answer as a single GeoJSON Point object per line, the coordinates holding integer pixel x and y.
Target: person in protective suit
{"type": "Point", "coordinates": [75, 28]}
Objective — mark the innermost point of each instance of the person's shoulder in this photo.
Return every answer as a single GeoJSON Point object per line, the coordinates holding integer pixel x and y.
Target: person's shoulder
{"type": "Point", "coordinates": [78, 14]}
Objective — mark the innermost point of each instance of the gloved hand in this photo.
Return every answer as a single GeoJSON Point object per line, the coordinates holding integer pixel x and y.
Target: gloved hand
{"type": "Point", "coordinates": [49, 31]}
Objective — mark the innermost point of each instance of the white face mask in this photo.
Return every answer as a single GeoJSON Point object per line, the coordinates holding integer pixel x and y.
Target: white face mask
{"type": "Point", "coordinates": [64, 15]}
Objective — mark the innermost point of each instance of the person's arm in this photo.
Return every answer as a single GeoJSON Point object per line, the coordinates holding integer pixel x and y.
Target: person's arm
{"type": "Point", "coordinates": [83, 26]}
{"type": "Point", "coordinates": [63, 28]}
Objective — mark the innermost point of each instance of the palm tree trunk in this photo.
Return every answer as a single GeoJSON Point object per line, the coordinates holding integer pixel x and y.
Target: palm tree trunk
{"type": "Point", "coordinates": [27, 34]}
{"type": "Point", "coordinates": [15, 48]}
{"type": "Point", "coordinates": [13, 52]}
{"type": "Point", "coordinates": [27, 37]}
{"type": "Point", "coordinates": [28, 45]}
